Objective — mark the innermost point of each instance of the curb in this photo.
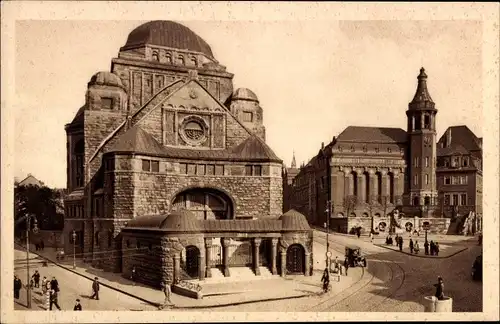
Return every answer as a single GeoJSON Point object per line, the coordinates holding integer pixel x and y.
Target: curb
{"type": "Point", "coordinates": [245, 302]}
{"type": "Point", "coordinates": [158, 304]}
{"type": "Point", "coordinates": [91, 279]}
{"type": "Point", "coordinates": [422, 255]}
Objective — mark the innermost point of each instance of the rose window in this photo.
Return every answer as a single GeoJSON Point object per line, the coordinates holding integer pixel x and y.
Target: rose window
{"type": "Point", "coordinates": [194, 131]}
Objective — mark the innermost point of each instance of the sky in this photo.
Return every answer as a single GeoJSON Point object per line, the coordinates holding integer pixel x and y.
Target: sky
{"type": "Point", "coordinates": [313, 77]}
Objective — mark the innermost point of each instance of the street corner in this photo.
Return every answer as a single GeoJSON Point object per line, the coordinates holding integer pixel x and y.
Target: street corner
{"type": "Point", "coordinates": [445, 250]}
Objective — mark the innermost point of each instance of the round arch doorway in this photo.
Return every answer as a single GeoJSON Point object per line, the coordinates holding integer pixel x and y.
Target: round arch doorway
{"type": "Point", "coordinates": [205, 203]}
{"type": "Point", "coordinates": [295, 259]}
{"type": "Point", "coordinates": [190, 262]}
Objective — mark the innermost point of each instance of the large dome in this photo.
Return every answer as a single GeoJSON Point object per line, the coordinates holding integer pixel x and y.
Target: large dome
{"type": "Point", "coordinates": [168, 34]}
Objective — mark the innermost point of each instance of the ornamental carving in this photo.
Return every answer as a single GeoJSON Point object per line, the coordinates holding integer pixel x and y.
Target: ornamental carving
{"type": "Point", "coordinates": [194, 130]}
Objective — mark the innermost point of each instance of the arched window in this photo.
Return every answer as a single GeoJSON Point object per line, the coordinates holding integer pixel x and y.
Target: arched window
{"type": "Point", "coordinates": [417, 122]}
{"type": "Point", "coordinates": [181, 60]}
{"type": "Point", "coordinates": [168, 58]}
{"type": "Point", "coordinates": [78, 168]}
{"type": "Point", "coordinates": [416, 201]}
{"type": "Point", "coordinates": [194, 61]}
{"type": "Point", "coordinates": [155, 56]}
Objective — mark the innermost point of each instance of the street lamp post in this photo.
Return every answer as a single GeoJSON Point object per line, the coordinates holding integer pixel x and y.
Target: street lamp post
{"type": "Point", "coordinates": [28, 229]}
{"type": "Point", "coordinates": [327, 227]}
{"type": "Point", "coordinates": [74, 249]}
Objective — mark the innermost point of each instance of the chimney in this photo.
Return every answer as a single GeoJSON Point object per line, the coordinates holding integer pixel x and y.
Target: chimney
{"type": "Point", "coordinates": [448, 137]}
{"type": "Point", "coordinates": [322, 145]}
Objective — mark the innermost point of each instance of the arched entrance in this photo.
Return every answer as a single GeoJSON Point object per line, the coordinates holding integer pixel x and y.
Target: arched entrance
{"type": "Point", "coordinates": [191, 264]}
{"type": "Point", "coordinates": [295, 259]}
{"type": "Point", "coordinates": [205, 203]}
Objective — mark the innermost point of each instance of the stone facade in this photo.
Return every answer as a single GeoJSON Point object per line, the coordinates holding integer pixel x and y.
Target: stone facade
{"type": "Point", "coordinates": [164, 131]}
{"type": "Point", "coordinates": [368, 172]}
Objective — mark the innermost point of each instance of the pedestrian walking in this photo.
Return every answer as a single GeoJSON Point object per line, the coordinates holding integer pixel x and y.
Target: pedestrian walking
{"type": "Point", "coordinates": [37, 246]}
{"type": "Point", "coordinates": [346, 265]}
{"type": "Point", "coordinates": [44, 285]}
{"type": "Point", "coordinates": [53, 299]}
{"type": "Point", "coordinates": [167, 291]}
{"type": "Point", "coordinates": [436, 248]}
{"type": "Point", "coordinates": [18, 284]}
{"type": "Point", "coordinates": [325, 279]}
{"type": "Point", "coordinates": [426, 248]}
{"type": "Point", "coordinates": [371, 236]}
{"type": "Point", "coordinates": [42, 245]}
{"type": "Point", "coordinates": [133, 275]}
{"type": "Point", "coordinates": [439, 289]}
{"type": "Point", "coordinates": [432, 246]}
{"type": "Point", "coordinates": [358, 231]}
{"type": "Point", "coordinates": [36, 279]}
{"type": "Point", "coordinates": [411, 246]}
{"type": "Point", "coordinates": [401, 244]}
{"type": "Point", "coordinates": [78, 306]}
{"type": "Point", "coordinates": [95, 289]}
{"type": "Point", "coordinates": [416, 248]}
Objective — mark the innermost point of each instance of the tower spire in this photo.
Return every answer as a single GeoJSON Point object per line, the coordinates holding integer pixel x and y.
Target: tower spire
{"type": "Point", "coordinates": [294, 164]}
{"type": "Point", "coordinates": [422, 98]}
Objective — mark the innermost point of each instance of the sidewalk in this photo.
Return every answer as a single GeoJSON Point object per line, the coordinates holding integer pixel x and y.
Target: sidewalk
{"type": "Point", "coordinates": [445, 251]}
{"type": "Point", "coordinates": [235, 293]}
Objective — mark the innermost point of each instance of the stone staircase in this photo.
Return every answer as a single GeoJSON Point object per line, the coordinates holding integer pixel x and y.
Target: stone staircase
{"type": "Point", "coordinates": [237, 274]}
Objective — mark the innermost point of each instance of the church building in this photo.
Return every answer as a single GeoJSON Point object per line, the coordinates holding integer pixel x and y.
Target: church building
{"type": "Point", "coordinates": [168, 170]}
{"type": "Point", "coordinates": [366, 174]}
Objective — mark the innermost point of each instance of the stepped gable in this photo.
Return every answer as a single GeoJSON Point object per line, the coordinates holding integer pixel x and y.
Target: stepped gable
{"type": "Point", "coordinates": [136, 140]}
{"type": "Point", "coordinates": [292, 220]}
{"type": "Point", "coordinates": [364, 134]}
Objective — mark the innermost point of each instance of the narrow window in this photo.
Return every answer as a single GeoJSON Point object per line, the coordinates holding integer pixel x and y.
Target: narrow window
{"type": "Point", "coordinates": [155, 166]}
{"type": "Point", "coordinates": [463, 199]}
{"type": "Point", "coordinates": [455, 200]}
{"type": "Point", "coordinates": [248, 170]}
{"type": "Point", "coordinates": [415, 180]}
{"type": "Point", "coordinates": [194, 61]}
{"type": "Point", "coordinates": [447, 200]}
{"type": "Point", "coordinates": [257, 170]}
{"type": "Point", "coordinates": [168, 58]}
{"type": "Point", "coordinates": [426, 161]}
{"type": "Point", "coordinates": [247, 117]}
{"type": "Point", "coordinates": [447, 180]}
{"type": "Point", "coordinates": [183, 168]}
{"type": "Point", "coordinates": [426, 179]}
{"type": "Point", "coordinates": [107, 103]}
{"type": "Point", "coordinates": [389, 150]}
{"type": "Point", "coordinates": [155, 56]}
{"type": "Point", "coordinates": [146, 165]}
{"type": "Point", "coordinates": [181, 60]}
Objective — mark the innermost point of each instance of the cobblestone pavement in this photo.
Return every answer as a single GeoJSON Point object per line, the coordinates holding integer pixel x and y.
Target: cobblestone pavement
{"type": "Point", "coordinates": [72, 286]}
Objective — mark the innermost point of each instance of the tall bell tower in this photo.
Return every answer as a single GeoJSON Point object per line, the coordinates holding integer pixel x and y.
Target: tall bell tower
{"type": "Point", "coordinates": [421, 116]}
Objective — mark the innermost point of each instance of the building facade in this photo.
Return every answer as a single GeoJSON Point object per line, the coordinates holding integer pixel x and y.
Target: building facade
{"type": "Point", "coordinates": [164, 131]}
{"type": "Point", "coordinates": [365, 173]}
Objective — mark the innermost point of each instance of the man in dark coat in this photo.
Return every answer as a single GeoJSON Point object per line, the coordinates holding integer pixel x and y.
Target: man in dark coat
{"type": "Point", "coordinates": [36, 279]}
{"type": "Point", "coordinates": [432, 246]}
{"type": "Point", "coordinates": [78, 306]}
{"type": "Point", "coordinates": [54, 284]}
{"type": "Point", "coordinates": [401, 243]}
{"type": "Point", "coordinates": [439, 289]}
{"type": "Point", "coordinates": [53, 299]}
{"type": "Point", "coordinates": [411, 246]}
{"type": "Point", "coordinates": [18, 284]}
{"type": "Point", "coordinates": [95, 289]}
{"type": "Point", "coordinates": [426, 248]}
{"type": "Point", "coordinates": [436, 248]}
{"type": "Point", "coordinates": [346, 265]}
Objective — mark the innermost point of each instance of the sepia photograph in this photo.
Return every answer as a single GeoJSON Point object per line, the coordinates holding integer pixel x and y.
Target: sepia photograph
{"type": "Point", "coordinates": [189, 163]}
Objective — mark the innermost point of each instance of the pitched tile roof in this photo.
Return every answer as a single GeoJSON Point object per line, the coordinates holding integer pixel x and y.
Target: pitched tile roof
{"type": "Point", "coordinates": [292, 220]}
{"type": "Point", "coordinates": [255, 148]}
{"type": "Point", "coordinates": [462, 135]}
{"type": "Point", "coordinates": [455, 149]}
{"type": "Point", "coordinates": [137, 140]}
{"type": "Point", "coordinates": [239, 225]}
{"type": "Point", "coordinates": [373, 135]}
{"type": "Point", "coordinates": [30, 180]}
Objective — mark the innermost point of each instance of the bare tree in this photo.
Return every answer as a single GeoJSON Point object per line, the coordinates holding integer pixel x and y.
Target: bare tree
{"type": "Point", "coordinates": [349, 204]}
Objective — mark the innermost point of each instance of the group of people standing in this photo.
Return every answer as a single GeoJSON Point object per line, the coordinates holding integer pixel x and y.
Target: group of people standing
{"type": "Point", "coordinates": [50, 288]}
{"type": "Point", "coordinates": [40, 246]}
{"type": "Point", "coordinates": [433, 248]}
{"type": "Point", "coordinates": [338, 268]}
{"type": "Point", "coordinates": [414, 247]}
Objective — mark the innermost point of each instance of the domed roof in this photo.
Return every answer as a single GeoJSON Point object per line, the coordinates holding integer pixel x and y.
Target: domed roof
{"type": "Point", "coordinates": [182, 221]}
{"type": "Point", "coordinates": [245, 94]}
{"type": "Point", "coordinates": [176, 221]}
{"type": "Point", "coordinates": [292, 220]}
{"type": "Point", "coordinates": [106, 79]}
{"type": "Point", "coordinates": [168, 34]}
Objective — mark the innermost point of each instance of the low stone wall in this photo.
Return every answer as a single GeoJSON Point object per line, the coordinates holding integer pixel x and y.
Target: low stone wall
{"type": "Point", "coordinates": [437, 225]}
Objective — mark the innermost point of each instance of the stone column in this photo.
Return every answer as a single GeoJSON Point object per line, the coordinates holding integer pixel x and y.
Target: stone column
{"type": "Point", "coordinates": [208, 250]}
{"type": "Point", "coordinates": [385, 183]}
{"type": "Point", "coordinates": [397, 190]}
{"type": "Point", "coordinates": [361, 187]}
{"type": "Point", "coordinates": [373, 187]}
{"type": "Point", "coordinates": [308, 264]}
{"type": "Point", "coordinates": [274, 255]}
{"type": "Point", "coordinates": [256, 256]}
{"type": "Point", "coordinates": [283, 262]}
{"type": "Point", "coordinates": [350, 181]}
{"type": "Point", "coordinates": [201, 267]}
{"type": "Point", "coordinates": [225, 256]}
{"type": "Point", "coordinates": [177, 267]}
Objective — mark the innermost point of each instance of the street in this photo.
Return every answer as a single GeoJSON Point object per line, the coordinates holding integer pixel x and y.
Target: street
{"type": "Point", "coordinates": [72, 286]}
{"type": "Point", "coordinates": [392, 282]}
